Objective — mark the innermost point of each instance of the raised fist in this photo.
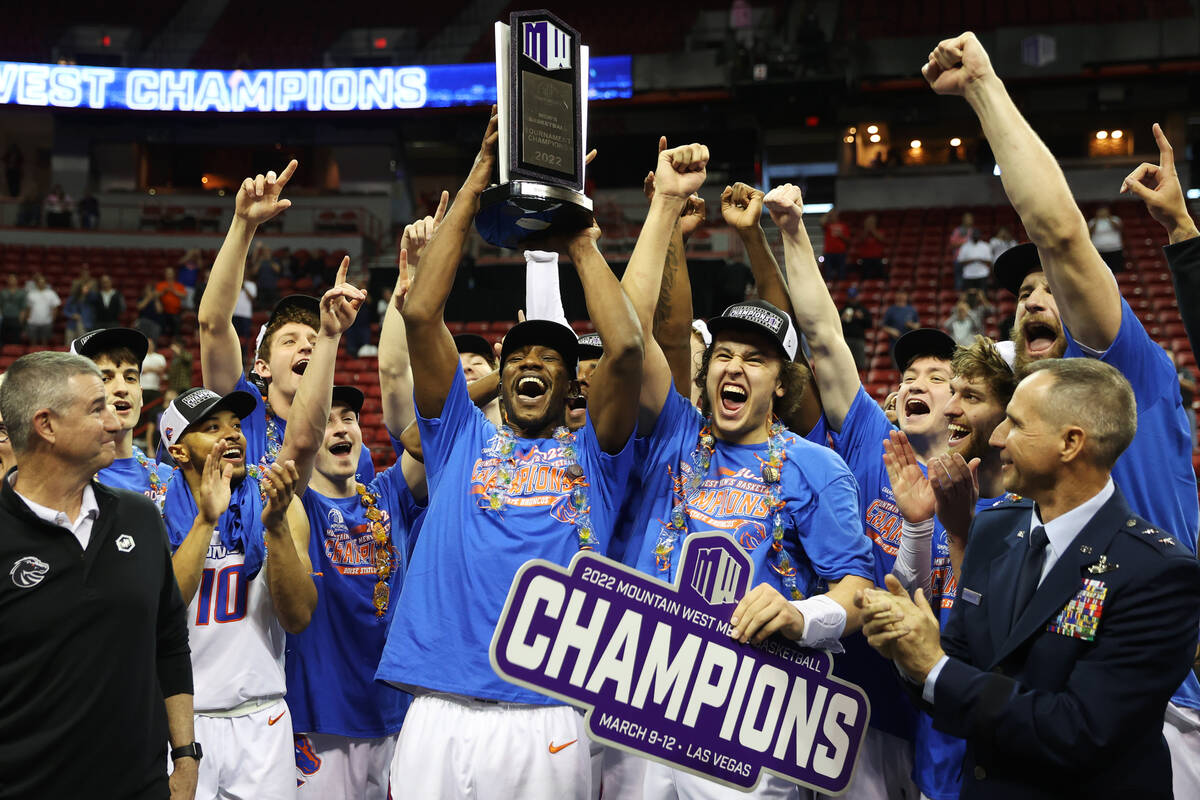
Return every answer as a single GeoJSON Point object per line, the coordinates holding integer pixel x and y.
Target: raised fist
{"type": "Point", "coordinates": [681, 171]}
{"type": "Point", "coordinates": [957, 64]}
{"type": "Point", "coordinates": [786, 207]}
{"type": "Point", "coordinates": [741, 206]}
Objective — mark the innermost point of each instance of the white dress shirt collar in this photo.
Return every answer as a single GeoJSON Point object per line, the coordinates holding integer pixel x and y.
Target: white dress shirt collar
{"type": "Point", "coordinates": [81, 527]}
{"type": "Point", "coordinates": [1063, 529]}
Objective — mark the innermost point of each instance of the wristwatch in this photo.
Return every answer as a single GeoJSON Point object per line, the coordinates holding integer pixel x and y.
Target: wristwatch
{"type": "Point", "coordinates": [187, 751]}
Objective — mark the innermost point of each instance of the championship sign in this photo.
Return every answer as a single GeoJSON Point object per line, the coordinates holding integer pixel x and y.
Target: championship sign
{"type": "Point", "coordinates": [658, 674]}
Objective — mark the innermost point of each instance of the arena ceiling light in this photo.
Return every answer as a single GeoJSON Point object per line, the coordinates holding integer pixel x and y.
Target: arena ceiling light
{"type": "Point", "coordinates": [1117, 134]}
{"type": "Point", "coordinates": [955, 142]}
{"type": "Point", "coordinates": [872, 129]}
{"type": "Point", "coordinates": [915, 144]}
{"type": "Point", "coordinates": [875, 137]}
{"type": "Point", "coordinates": [1101, 135]}
{"type": "Point", "coordinates": [849, 140]}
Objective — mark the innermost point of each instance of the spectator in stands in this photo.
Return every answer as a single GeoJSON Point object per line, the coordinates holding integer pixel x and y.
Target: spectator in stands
{"type": "Point", "coordinates": [57, 207]}
{"type": "Point", "coordinates": [170, 299]}
{"type": "Point", "coordinates": [149, 308]}
{"type": "Point", "coordinates": [1003, 240]}
{"type": "Point", "coordinates": [80, 310]}
{"type": "Point", "coordinates": [41, 307]}
{"type": "Point", "coordinates": [108, 304]}
{"type": "Point", "coordinates": [385, 300]}
{"type": "Point", "coordinates": [358, 335]}
{"type": "Point", "coordinates": [265, 269]}
{"type": "Point", "coordinates": [981, 309]}
{"type": "Point", "coordinates": [958, 237]}
{"type": "Point", "coordinates": [84, 276]}
{"type": "Point", "coordinates": [962, 327]}
{"type": "Point", "coordinates": [243, 309]}
{"type": "Point", "coordinates": [89, 212]}
{"type": "Point", "coordinates": [14, 163]}
{"type": "Point", "coordinates": [974, 262]}
{"type": "Point", "coordinates": [837, 242]}
{"type": "Point", "coordinates": [12, 307]}
{"type": "Point", "coordinates": [1106, 238]}
{"type": "Point", "coordinates": [154, 371]}
{"type": "Point", "coordinates": [188, 272]}
{"type": "Point", "coordinates": [899, 318]}
{"type": "Point", "coordinates": [870, 246]}
{"type": "Point", "coordinates": [1187, 390]}
{"type": "Point", "coordinates": [179, 371]}
{"type": "Point", "coordinates": [856, 320]}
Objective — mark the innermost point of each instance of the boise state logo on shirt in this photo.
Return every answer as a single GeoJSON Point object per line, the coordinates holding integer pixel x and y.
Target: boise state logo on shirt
{"type": "Point", "coordinates": [731, 501]}
{"type": "Point", "coordinates": [350, 548]}
{"type": "Point", "coordinates": [28, 572]}
{"type": "Point", "coordinates": [538, 478]}
{"type": "Point", "coordinates": [882, 522]}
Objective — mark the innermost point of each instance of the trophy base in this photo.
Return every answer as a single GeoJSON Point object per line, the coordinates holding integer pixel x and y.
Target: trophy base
{"type": "Point", "coordinates": [513, 213]}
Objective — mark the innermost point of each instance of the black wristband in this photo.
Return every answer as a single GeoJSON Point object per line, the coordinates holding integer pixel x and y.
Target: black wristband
{"type": "Point", "coordinates": [187, 751]}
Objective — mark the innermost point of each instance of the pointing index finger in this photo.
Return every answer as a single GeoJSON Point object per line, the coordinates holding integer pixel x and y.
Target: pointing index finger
{"type": "Point", "coordinates": [286, 175]}
{"type": "Point", "coordinates": [441, 209]}
{"type": "Point", "coordinates": [341, 274]}
{"type": "Point", "coordinates": [1166, 153]}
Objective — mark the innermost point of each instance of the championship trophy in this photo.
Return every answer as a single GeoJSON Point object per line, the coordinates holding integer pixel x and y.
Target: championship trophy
{"type": "Point", "coordinates": [541, 97]}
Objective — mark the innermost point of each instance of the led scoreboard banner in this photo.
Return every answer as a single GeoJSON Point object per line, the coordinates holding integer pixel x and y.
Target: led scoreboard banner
{"type": "Point", "coordinates": [360, 89]}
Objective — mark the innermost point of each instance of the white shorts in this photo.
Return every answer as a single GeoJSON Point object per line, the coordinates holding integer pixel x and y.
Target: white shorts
{"type": "Point", "coordinates": [456, 747]}
{"type": "Point", "coordinates": [1181, 729]}
{"type": "Point", "coordinates": [622, 775]}
{"type": "Point", "coordinates": [250, 757]}
{"type": "Point", "coordinates": [332, 767]}
{"type": "Point", "coordinates": [883, 772]}
{"type": "Point", "coordinates": [667, 783]}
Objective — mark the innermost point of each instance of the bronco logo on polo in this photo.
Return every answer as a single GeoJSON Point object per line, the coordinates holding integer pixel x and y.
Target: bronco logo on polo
{"type": "Point", "coordinates": [28, 572]}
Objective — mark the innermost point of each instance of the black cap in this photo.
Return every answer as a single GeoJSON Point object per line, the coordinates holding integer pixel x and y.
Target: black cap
{"type": "Point", "coordinates": [922, 342]}
{"type": "Point", "coordinates": [196, 404]}
{"type": "Point", "coordinates": [759, 316]}
{"type": "Point", "coordinates": [302, 301]}
{"type": "Point", "coordinates": [474, 343]}
{"type": "Point", "coordinates": [547, 334]}
{"type": "Point", "coordinates": [104, 340]}
{"type": "Point", "coordinates": [1014, 264]}
{"type": "Point", "coordinates": [349, 396]}
{"type": "Point", "coordinates": [590, 346]}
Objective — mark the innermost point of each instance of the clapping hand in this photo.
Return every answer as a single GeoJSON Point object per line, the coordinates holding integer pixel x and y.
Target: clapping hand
{"type": "Point", "coordinates": [913, 492]}
{"type": "Point", "coordinates": [279, 482]}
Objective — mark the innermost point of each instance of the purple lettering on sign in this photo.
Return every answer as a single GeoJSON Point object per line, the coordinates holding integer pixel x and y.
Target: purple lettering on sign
{"type": "Point", "coordinates": [655, 669]}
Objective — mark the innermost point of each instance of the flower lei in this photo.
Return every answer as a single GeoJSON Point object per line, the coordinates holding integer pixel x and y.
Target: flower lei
{"type": "Point", "coordinates": [685, 494]}
{"type": "Point", "coordinates": [384, 548]}
{"type": "Point", "coordinates": [496, 492]}
{"type": "Point", "coordinates": [274, 440]}
{"type": "Point", "coordinates": [156, 483]}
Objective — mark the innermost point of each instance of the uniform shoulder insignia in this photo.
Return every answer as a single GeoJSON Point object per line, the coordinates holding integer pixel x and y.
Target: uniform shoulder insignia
{"type": "Point", "coordinates": [1153, 536]}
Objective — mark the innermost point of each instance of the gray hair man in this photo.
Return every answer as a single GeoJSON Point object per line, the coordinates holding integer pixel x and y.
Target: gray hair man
{"type": "Point", "coordinates": [93, 632]}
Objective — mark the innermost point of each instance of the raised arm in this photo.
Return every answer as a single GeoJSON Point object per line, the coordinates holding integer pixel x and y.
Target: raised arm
{"type": "Point", "coordinates": [257, 201]}
{"type": "Point", "coordinates": [1084, 288]}
{"type": "Point", "coordinates": [613, 401]}
{"type": "Point", "coordinates": [435, 362]}
{"type": "Point", "coordinates": [673, 315]}
{"type": "Point", "coordinates": [816, 315]}
{"type": "Point", "coordinates": [679, 173]}
{"type": "Point", "coordinates": [310, 408]}
{"type": "Point", "coordinates": [288, 570]}
{"type": "Point", "coordinates": [742, 207]}
{"type": "Point", "coordinates": [395, 367]}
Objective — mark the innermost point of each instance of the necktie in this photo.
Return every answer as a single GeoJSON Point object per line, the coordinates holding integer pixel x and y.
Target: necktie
{"type": "Point", "coordinates": [1031, 571]}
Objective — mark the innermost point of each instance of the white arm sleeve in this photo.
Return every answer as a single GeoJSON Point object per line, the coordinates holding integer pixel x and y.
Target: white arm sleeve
{"type": "Point", "coordinates": [824, 622]}
{"type": "Point", "coordinates": [543, 300]}
{"type": "Point", "coordinates": [914, 562]}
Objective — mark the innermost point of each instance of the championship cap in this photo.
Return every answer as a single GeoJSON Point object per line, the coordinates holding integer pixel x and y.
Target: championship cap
{"type": "Point", "coordinates": [474, 343]}
{"type": "Point", "coordinates": [349, 396]}
{"type": "Point", "coordinates": [301, 301]}
{"type": "Point", "coordinates": [104, 340]}
{"type": "Point", "coordinates": [759, 316]}
{"type": "Point", "coordinates": [195, 405]}
{"type": "Point", "coordinates": [547, 334]}
{"type": "Point", "coordinates": [1014, 264]}
{"type": "Point", "coordinates": [922, 342]}
{"type": "Point", "coordinates": [590, 346]}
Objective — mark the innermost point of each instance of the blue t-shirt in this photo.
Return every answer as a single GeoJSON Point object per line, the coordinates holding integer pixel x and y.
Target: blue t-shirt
{"type": "Point", "coordinates": [330, 667]}
{"type": "Point", "coordinates": [264, 436]}
{"type": "Point", "coordinates": [467, 555]}
{"type": "Point", "coordinates": [1155, 473]}
{"type": "Point", "coordinates": [822, 533]}
{"type": "Point", "coordinates": [129, 473]}
{"type": "Point", "coordinates": [860, 443]}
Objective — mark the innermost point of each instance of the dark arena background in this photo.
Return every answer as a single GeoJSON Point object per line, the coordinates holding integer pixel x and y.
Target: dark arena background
{"type": "Point", "coordinates": [122, 154]}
